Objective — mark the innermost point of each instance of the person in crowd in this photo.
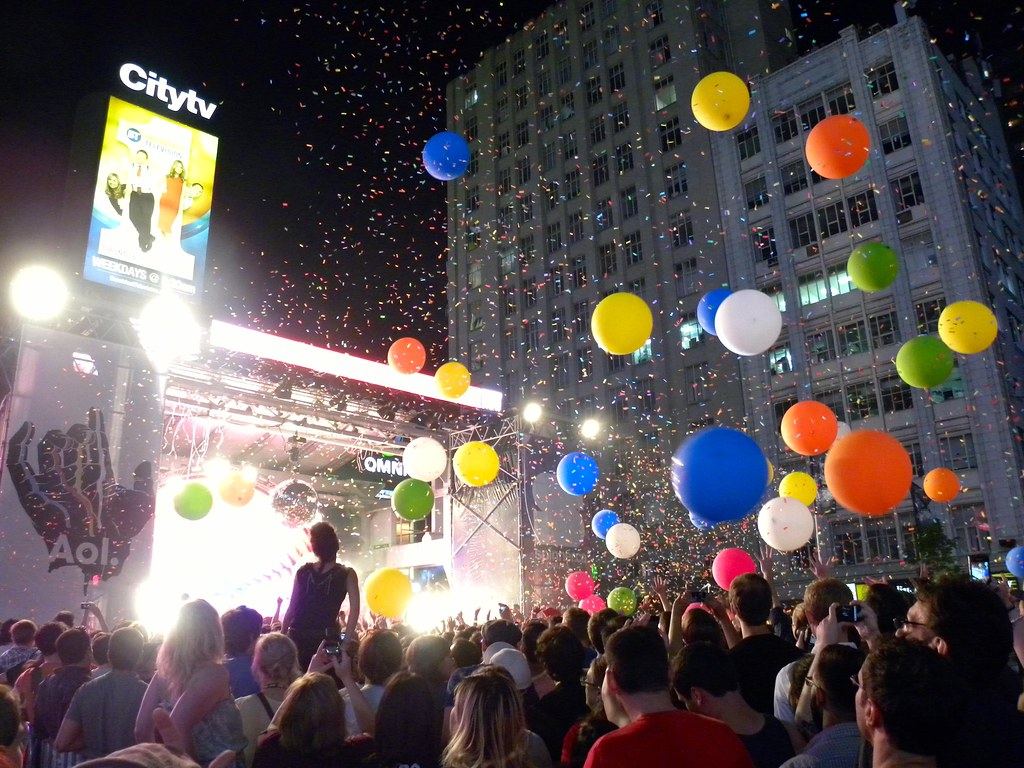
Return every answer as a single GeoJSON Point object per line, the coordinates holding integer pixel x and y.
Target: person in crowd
{"type": "Point", "coordinates": [430, 657]}
{"type": "Point", "coordinates": [496, 635]}
{"type": "Point", "coordinates": [637, 680]}
{"type": "Point", "coordinates": [100, 654]}
{"type": "Point", "coordinates": [378, 658]}
{"type": "Point", "coordinates": [318, 592]}
{"type": "Point", "coordinates": [465, 653]}
{"type": "Point", "coordinates": [910, 702]}
{"type": "Point", "coordinates": [407, 725]}
{"type": "Point", "coordinates": [102, 714]}
{"type": "Point", "coordinates": [532, 630]}
{"type": "Point", "coordinates": [241, 627]}
{"type": "Point", "coordinates": [12, 730]}
{"type": "Point", "coordinates": [147, 665]}
{"type": "Point", "coordinates": [5, 635]}
{"type": "Point", "coordinates": [515, 664]}
{"type": "Point", "coordinates": [310, 730]}
{"type": "Point", "coordinates": [22, 650]}
{"type": "Point", "coordinates": [583, 734]}
{"type": "Point", "coordinates": [596, 625]}
{"type": "Point", "coordinates": [760, 654]}
{"type": "Point", "coordinates": [577, 620]}
{"type": "Point", "coordinates": [700, 626]}
{"type": "Point", "coordinates": [170, 753]}
{"type": "Point", "coordinates": [488, 728]}
{"type": "Point", "coordinates": [40, 668]}
{"type": "Point", "coordinates": [562, 653]}
{"type": "Point", "coordinates": [56, 692]}
{"type": "Point", "coordinates": [704, 676]}
{"type": "Point", "coordinates": [275, 665]}
{"type": "Point", "coordinates": [192, 683]}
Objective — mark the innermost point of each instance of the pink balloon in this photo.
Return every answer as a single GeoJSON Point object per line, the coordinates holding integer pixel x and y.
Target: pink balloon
{"type": "Point", "coordinates": [593, 604]}
{"type": "Point", "coordinates": [730, 563]}
{"type": "Point", "coordinates": [579, 585]}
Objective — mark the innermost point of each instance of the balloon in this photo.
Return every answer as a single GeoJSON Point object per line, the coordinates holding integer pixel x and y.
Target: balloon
{"type": "Point", "coordinates": [941, 485]}
{"type": "Point", "coordinates": [446, 156]}
{"type": "Point", "coordinates": [837, 147]}
{"type": "Point", "coordinates": [623, 600]}
{"type": "Point", "coordinates": [785, 524]}
{"type": "Point", "coordinates": [844, 430]}
{"type": "Point", "coordinates": [603, 521]}
{"type": "Point", "coordinates": [924, 362]}
{"type": "Point", "coordinates": [748, 322]}
{"type": "Point", "coordinates": [621, 323]}
{"type": "Point", "coordinates": [579, 585]}
{"type": "Point", "coordinates": [809, 428]}
{"type": "Point", "coordinates": [296, 502]}
{"type": "Point", "coordinates": [452, 380]}
{"type": "Point", "coordinates": [623, 541]}
{"type": "Point", "coordinates": [873, 266]}
{"type": "Point", "coordinates": [708, 306]}
{"type": "Point", "coordinates": [868, 472]}
{"type": "Point", "coordinates": [720, 101]}
{"type": "Point", "coordinates": [407, 355]}
{"type": "Point", "coordinates": [799, 486]}
{"type": "Point", "coordinates": [593, 604]}
{"type": "Point", "coordinates": [719, 474]}
{"type": "Point", "coordinates": [1015, 562]}
{"type": "Point", "coordinates": [388, 592]}
{"type": "Point", "coordinates": [577, 473]}
{"type": "Point", "coordinates": [236, 489]}
{"type": "Point", "coordinates": [730, 563]}
{"type": "Point", "coordinates": [771, 471]}
{"type": "Point", "coordinates": [476, 463]}
{"type": "Point", "coordinates": [967, 327]}
{"type": "Point", "coordinates": [700, 523]}
{"type": "Point", "coordinates": [194, 501]}
{"type": "Point", "coordinates": [412, 499]}
{"type": "Point", "coordinates": [425, 459]}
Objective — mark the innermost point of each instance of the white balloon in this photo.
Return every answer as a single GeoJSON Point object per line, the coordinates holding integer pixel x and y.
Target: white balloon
{"type": "Point", "coordinates": [844, 430]}
{"type": "Point", "coordinates": [623, 540]}
{"type": "Point", "coordinates": [425, 459]}
{"type": "Point", "coordinates": [748, 322]}
{"type": "Point", "coordinates": [785, 524]}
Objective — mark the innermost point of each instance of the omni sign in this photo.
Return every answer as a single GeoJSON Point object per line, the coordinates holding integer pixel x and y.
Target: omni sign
{"type": "Point", "coordinates": [380, 465]}
{"type": "Point", "coordinates": [141, 79]}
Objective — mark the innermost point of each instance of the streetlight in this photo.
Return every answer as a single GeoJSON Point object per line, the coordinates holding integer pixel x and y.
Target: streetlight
{"type": "Point", "coordinates": [590, 428]}
{"type": "Point", "coordinates": [38, 293]}
{"type": "Point", "coordinates": [532, 412]}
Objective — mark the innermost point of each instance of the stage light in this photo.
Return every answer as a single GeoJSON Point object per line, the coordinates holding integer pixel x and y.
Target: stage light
{"type": "Point", "coordinates": [168, 331]}
{"type": "Point", "coordinates": [217, 468]}
{"type": "Point", "coordinates": [590, 428]}
{"type": "Point", "coordinates": [38, 293]}
{"type": "Point", "coordinates": [250, 473]}
{"type": "Point", "coordinates": [533, 412]}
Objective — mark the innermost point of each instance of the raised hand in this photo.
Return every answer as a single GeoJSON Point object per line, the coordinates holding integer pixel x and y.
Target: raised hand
{"type": "Point", "coordinates": [821, 569]}
{"type": "Point", "coordinates": [766, 559]}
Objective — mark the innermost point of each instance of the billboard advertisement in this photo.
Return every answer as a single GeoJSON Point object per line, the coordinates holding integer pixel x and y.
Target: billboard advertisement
{"type": "Point", "coordinates": [150, 223]}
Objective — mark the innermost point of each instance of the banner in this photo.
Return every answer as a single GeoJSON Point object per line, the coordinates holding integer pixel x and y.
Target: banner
{"type": "Point", "coordinates": [150, 222]}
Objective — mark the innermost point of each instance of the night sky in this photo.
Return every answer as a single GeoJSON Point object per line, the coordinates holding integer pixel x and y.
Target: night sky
{"type": "Point", "coordinates": [325, 227]}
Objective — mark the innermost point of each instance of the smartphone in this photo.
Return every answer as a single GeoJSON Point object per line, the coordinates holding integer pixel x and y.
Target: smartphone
{"type": "Point", "coordinates": [333, 643]}
{"type": "Point", "coordinates": [979, 567]}
{"type": "Point", "coordinates": [86, 606]}
{"type": "Point", "coordinates": [849, 614]}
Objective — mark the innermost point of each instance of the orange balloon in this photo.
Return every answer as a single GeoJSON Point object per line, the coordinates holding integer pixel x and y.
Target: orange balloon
{"type": "Point", "coordinates": [837, 147]}
{"type": "Point", "coordinates": [236, 490]}
{"type": "Point", "coordinates": [941, 485]}
{"type": "Point", "coordinates": [868, 472]}
{"type": "Point", "coordinates": [809, 428]}
{"type": "Point", "coordinates": [407, 355]}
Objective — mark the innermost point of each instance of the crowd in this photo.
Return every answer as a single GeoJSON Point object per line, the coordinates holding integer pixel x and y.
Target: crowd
{"type": "Point", "coordinates": [729, 682]}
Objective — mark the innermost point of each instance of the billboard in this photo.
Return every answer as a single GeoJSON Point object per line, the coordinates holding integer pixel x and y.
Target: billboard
{"type": "Point", "coordinates": [150, 222]}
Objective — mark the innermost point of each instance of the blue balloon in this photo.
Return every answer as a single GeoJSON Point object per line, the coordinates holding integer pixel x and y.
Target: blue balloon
{"type": "Point", "coordinates": [708, 307]}
{"type": "Point", "coordinates": [577, 474]}
{"type": "Point", "coordinates": [700, 523]}
{"type": "Point", "coordinates": [446, 156]}
{"type": "Point", "coordinates": [719, 474]}
{"type": "Point", "coordinates": [603, 521]}
{"type": "Point", "coordinates": [1015, 562]}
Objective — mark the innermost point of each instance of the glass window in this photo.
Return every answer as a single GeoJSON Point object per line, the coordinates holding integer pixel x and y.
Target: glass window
{"type": "Point", "coordinates": [510, 300]}
{"type": "Point", "coordinates": [527, 250]}
{"type": "Point", "coordinates": [863, 208]}
{"type": "Point", "coordinates": [603, 218]}
{"type": "Point", "coordinates": [553, 240]}
{"type": "Point", "coordinates": [568, 107]}
{"type": "Point", "coordinates": [617, 77]}
{"type": "Point", "coordinates": [971, 530]}
{"type": "Point", "coordinates": [670, 133]}
{"type": "Point", "coordinates": [620, 117]}
{"type": "Point", "coordinates": [614, 364]}
{"type": "Point", "coordinates": [529, 294]}
{"type": "Point", "coordinates": [749, 143]}
{"type": "Point", "coordinates": [660, 52]}
{"type": "Point", "coordinates": [848, 543]}
{"type": "Point", "coordinates": [557, 280]}
{"type": "Point", "coordinates": [811, 288]}
{"type": "Point", "coordinates": [756, 193]}
{"type": "Point", "coordinates": [628, 202]}
{"type": "Point", "coordinates": [564, 70]}
{"type": "Point", "coordinates": [896, 394]}
{"type": "Point", "coordinates": [895, 134]}
{"type": "Point", "coordinates": [584, 363]}
{"type": "Point", "coordinates": [780, 361]}
{"type": "Point", "coordinates": [474, 162]}
{"type": "Point", "coordinates": [557, 325]}
{"type": "Point", "coordinates": [609, 258]}
{"type": "Point", "coordinates": [569, 146]}
{"type": "Point", "coordinates": [839, 280]}
{"type": "Point", "coordinates": [882, 79]}
{"type": "Point", "coordinates": [525, 212]}
{"type": "Point", "coordinates": [794, 177]}
{"type": "Point", "coordinates": [811, 112]}
{"type": "Point", "coordinates": [612, 39]}
{"type": "Point", "coordinates": [821, 345]}
{"type": "Point", "coordinates": [643, 354]}
{"type": "Point", "coordinates": [524, 171]}
{"type": "Point", "coordinates": [832, 219]}
{"type": "Point", "coordinates": [560, 370]}
{"type": "Point", "coordinates": [833, 399]}
{"type": "Point", "coordinates": [551, 192]}
{"type": "Point", "coordinates": [682, 230]}
{"type": "Point", "coordinates": [952, 388]}
{"type": "Point", "coordinates": [588, 16]}
{"type": "Point", "coordinates": [885, 330]}
{"type": "Point", "coordinates": [575, 226]}
{"type": "Point", "coordinates": [501, 74]}
{"type": "Point", "coordinates": [655, 13]}
{"type": "Point", "coordinates": [928, 314]}
{"type": "Point", "coordinates": [765, 248]}
{"type": "Point", "coordinates": [596, 130]}
{"type": "Point", "coordinates": [471, 130]}
{"type": "Point", "coordinates": [573, 183]}
{"type": "Point", "coordinates": [687, 277]}
{"type": "Point", "coordinates": [501, 108]}
{"type": "Point", "coordinates": [775, 293]}
{"type": "Point", "coordinates": [907, 191]}
{"type": "Point", "coordinates": [599, 172]}
{"type": "Point", "coordinates": [509, 260]}
{"type": "Point", "coordinates": [632, 248]}
{"type": "Point", "coordinates": [916, 457]}
{"type": "Point", "coordinates": [590, 54]}
{"type": "Point", "coordinates": [578, 272]}
{"type": "Point", "coordinates": [664, 92]}
{"type": "Point", "coordinates": [861, 401]}
{"type": "Point", "coordinates": [473, 237]}
{"type": "Point", "coordinates": [784, 125]}
{"type": "Point", "coordinates": [518, 61]}
{"type": "Point", "coordinates": [624, 157]}
{"type": "Point", "coordinates": [543, 83]}
{"type": "Point", "coordinates": [690, 332]}
{"type": "Point", "coordinates": [694, 380]}
{"type": "Point", "coordinates": [802, 231]}
{"type": "Point", "coordinates": [540, 44]}
{"type": "Point", "coordinates": [676, 183]}
{"type": "Point", "coordinates": [532, 337]}
{"type": "Point", "coordinates": [580, 317]}
{"type": "Point", "coordinates": [594, 91]}
{"type": "Point", "coordinates": [958, 452]}
{"type": "Point", "coordinates": [853, 338]}
{"type": "Point", "coordinates": [840, 100]}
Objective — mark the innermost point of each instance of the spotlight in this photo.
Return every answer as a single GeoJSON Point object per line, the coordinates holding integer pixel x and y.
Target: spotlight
{"type": "Point", "coordinates": [284, 390]}
{"type": "Point", "coordinates": [38, 293]}
{"type": "Point", "coordinates": [590, 428]}
{"type": "Point", "coordinates": [533, 412]}
{"type": "Point", "coordinates": [168, 330]}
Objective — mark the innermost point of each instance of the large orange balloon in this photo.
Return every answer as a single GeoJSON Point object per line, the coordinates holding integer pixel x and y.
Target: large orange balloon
{"type": "Point", "coordinates": [406, 355]}
{"type": "Point", "coordinates": [809, 428]}
{"type": "Point", "coordinates": [941, 485]}
{"type": "Point", "coordinates": [868, 472]}
{"type": "Point", "coordinates": [837, 147]}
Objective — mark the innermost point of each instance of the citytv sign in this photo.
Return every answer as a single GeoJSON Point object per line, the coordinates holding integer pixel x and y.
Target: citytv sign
{"type": "Point", "coordinates": [140, 79]}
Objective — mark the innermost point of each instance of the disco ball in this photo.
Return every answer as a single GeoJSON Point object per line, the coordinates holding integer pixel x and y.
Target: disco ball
{"type": "Point", "coordinates": [295, 502]}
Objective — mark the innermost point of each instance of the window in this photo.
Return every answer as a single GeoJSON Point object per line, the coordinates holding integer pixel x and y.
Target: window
{"type": "Point", "coordinates": [551, 191]}
{"type": "Point", "coordinates": [522, 134]}
{"type": "Point", "coordinates": [784, 126]}
{"type": "Point", "coordinates": [471, 131]}
{"type": "Point", "coordinates": [510, 300]}
{"type": "Point", "coordinates": [529, 294]}
{"type": "Point", "coordinates": [561, 35]}
{"type": "Point", "coordinates": [675, 180]}
{"type": "Point", "coordinates": [643, 354]}
{"type": "Point", "coordinates": [971, 530]}
{"type": "Point", "coordinates": [861, 401]}
{"type": "Point", "coordinates": [848, 543]}
{"type": "Point", "coordinates": [821, 345]}
{"type": "Point", "coordinates": [885, 330]}
{"type": "Point", "coordinates": [554, 237]}
{"type": "Point", "coordinates": [501, 74]}
{"type": "Point", "coordinates": [596, 130]}
{"type": "Point", "coordinates": [532, 336]}
{"type": "Point", "coordinates": [609, 258]}
{"type": "Point", "coordinates": [473, 237]}
{"type": "Point", "coordinates": [952, 388]}
{"type": "Point", "coordinates": [928, 315]}
{"type": "Point", "coordinates": [476, 315]}
{"type": "Point", "coordinates": [624, 157]}
{"type": "Point", "coordinates": [620, 117]}
{"type": "Point", "coordinates": [833, 399]}
{"type": "Point", "coordinates": [882, 79]}
{"type": "Point", "coordinates": [549, 157]}
{"type": "Point", "coordinates": [612, 39]}
{"type": "Point", "coordinates": [853, 338]}
{"type": "Point", "coordinates": [895, 134]}
{"type": "Point", "coordinates": [575, 226]}
{"type": "Point", "coordinates": [896, 394]}
{"type": "Point", "coordinates": [664, 92]}
{"type": "Point", "coordinates": [599, 173]}
{"type": "Point", "coordinates": [505, 216]}
{"type": "Point", "coordinates": [501, 108]}
{"type": "Point", "coordinates": [584, 363]}
{"type": "Point", "coordinates": [694, 379]}
{"type": "Point", "coordinates": [670, 133]}
{"type": "Point", "coordinates": [838, 280]}
{"type": "Point", "coordinates": [832, 219]}
{"type": "Point", "coordinates": [812, 288]}
{"type": "Point", "coordinates": [578, 273]}
{"type": "Point", "coordinates": [523, 171]}
{"type": "Point", "coordinates": [632, 248]}
{"type": "Point", "coordinates": [594, 90]}
{"type": "Point", "coordinates": [557, 324]}
{"type": "Point", "coordinates": [543, 83]}
{"type": "Point", "coordinates": [518, 61]}
{"type": "Point", "coordinates": [628, 203]}
{"type": "Point", "coordinates": [509, 260]}
{"type": "Point", "coordinates": [472, 95]}
{"type": "Point", "coordinates": [588, 16]}
{"type": "Point", "coordinates": [569, 146]}
{"type": "Point", "coordinates": [580, 317]}
{"type": "Point", "coordinates": [660, 52]}
{"type": "Point", "coordinates": [687, 277]}
{"type": "Point", "coordinates": [527, 250]}
{"type": "Point", "coordinates": [474, 162]}
{"type": "Point", "coordinates": [780, 361]}
{"type": "Point", "coordinates": [812, 112]}
{"type": "Point", "coordinates": [863, 208]}
{"type": "Point", "coordinates": [614, 364]}
{"type": "Point", "coordinates": [560, 371]}
{"type": "Point", "coordinates": [802, 231]}
{"type": "Point", "coordinates": [564, 70]}
{"type": "Point", "coordinates": [472, 199]}
{"type": "Point", "coordinates": [525, 213]}
{"type": "Point", "coordinates": [794, 177]}
{"type": "Point", "coordinates": [840, 100]}
{"type": "Point", "coordinates": [682, 230]}
{"type": "Point", "coordinates": [589, 54]}
{"type": "Point", "coordinates": [916, 457]}
{"type": "Point", "coordinates": [557, 280]}
{"type": "Point", "coordinates": [572, 184]}
{"type": "Point", "coordinates": [638, 286]}
{"type": "Point", "coordinates": [690, 332]}
{"type": "Point", "coordinates": [756, 193]}
{"type": "Point", "coordinates": [765, 249]}
{"type": "Point", "coordinates": [603, 218]}
{"type": "Point", "coordinates": [774, 292]}
{"type": "Point", "coordinates": [504, 185]}
{"type": "Point", "coordinates": [958, 452]}
{"type": "Point", "coordinates": [547, 117]}
{"type": "Point", "coordinates": [654, 12]}
{"type": "Point", "coordinates": [749, 143]}
{"type": "Point", "coordinates": [540, 44]}
{"type": "Point", "coordinates": [907, 191]}
{"type": "Point", "coordinates": [617, 77]}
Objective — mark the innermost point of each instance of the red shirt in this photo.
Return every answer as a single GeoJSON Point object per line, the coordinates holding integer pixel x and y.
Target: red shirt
{"type": "Point", "coordinates": [671, 739]}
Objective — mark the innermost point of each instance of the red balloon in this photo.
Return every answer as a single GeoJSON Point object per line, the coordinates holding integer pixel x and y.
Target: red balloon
{"type": "Point", "coordinates": [730, 563]}
{"type": "Point", "coordinates": [868, 472]}
{"type": "Point", "coordinates": [941, 485]}
{"type": "Point", "coordinates": [407, 355]}
{"type": "Point", "coordinates": [593, 604]}
{"type": "Point", "coordinates": [837, 147]}
{"type": "Point", "coordinates": [579, 585]}
{"type": "Point", "coordinates": [809, 428]}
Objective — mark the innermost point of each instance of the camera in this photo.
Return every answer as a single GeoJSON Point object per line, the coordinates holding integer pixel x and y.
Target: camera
{"type": "Point", "coordinates": [333, 643]}
{"type": "Point", "coordinates": [86, 606]}
{"type": "Point", "coordinates": [849, 614]}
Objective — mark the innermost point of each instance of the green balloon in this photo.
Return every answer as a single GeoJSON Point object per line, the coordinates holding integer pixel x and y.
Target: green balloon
{"type": "Point", "coordinates": [924, 362]}
{"type": "Point", "coordinates": [412, 500]}
{"type": "Point", "coordinates": [194, 501]}
{"type": "Point", "coordinates": [873, 266]}
{"type": "Point", "coordinates": [623, 600]}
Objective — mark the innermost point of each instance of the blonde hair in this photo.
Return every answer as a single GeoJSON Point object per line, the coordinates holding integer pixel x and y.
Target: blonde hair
{"type": "Point", "coordinates": [312, 716]}
{"type": "Point", "coordinates": [275, 660]}
{"type": "Point", "coordinates": [195, 639]}
{"type": "Point", "coordinates": [488, 726]}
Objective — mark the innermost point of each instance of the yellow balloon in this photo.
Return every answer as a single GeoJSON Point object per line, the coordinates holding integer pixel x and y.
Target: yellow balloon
{"type": "Point", "coordinates": [475, 463]}
{"type": "Point", "coordinates": [799, 486]}
{"type": "Point", "coordinates": [388, 592]}
{"type": "Point", "coordinates": [771, 471]}
{"type": "Point", "coordinates": [720, 101]}
{"type": "Point", "coordinates": [621, 323]}
{"type": "Point", "coordinates": [967, 327]}
{"type": "Point", "coordinates": [452, 380]}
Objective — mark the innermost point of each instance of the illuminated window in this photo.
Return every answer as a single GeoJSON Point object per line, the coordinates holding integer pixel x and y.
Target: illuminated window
{"type": "Point", "coordinates": [643, 355]}
{"type": "Point", "coordinates": [690, 332]}
{"type": "Point", "coordinates": [664, 92]}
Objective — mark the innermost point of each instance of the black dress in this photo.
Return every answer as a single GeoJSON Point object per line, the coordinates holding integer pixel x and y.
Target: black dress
{"type": "Point", "coordinates": [316, 600]}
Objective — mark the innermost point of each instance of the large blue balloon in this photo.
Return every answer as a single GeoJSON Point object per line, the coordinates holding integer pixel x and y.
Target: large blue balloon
{"type": "Point", "coordinates": [700, 523]}
{"type": "Point", "coordinates": [446, 156]}
{"type": "Point", "coordinates": [577, 473]}
{"type": "Point", "coordinates": [719, 474]}
{"type": "Point", "coordinates": [708, 307]}
{"type": "Point", "coordinates": [1015, 562]}
{"type": "Point", "coordinates": [603, 521]}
